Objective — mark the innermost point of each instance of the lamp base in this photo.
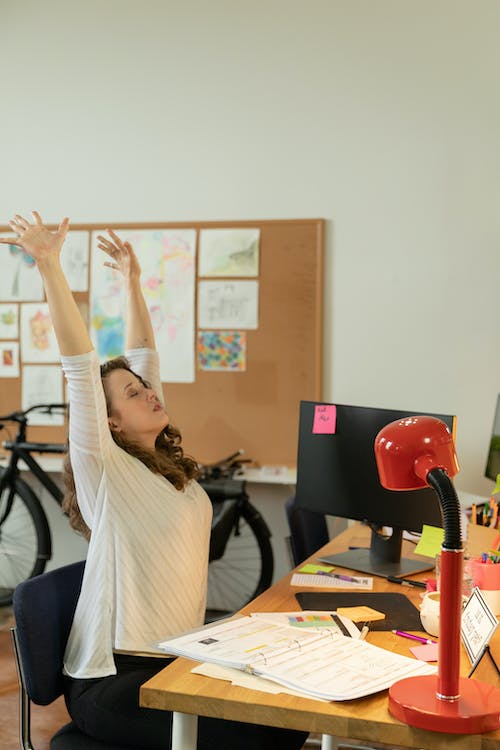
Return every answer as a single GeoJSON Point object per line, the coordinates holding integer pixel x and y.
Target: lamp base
{"type": "Point", "coordinates": [414, 702]}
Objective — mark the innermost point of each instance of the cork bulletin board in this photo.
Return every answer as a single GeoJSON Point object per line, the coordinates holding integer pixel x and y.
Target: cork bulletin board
{"type": "Point", "coordinates": [256, 408]}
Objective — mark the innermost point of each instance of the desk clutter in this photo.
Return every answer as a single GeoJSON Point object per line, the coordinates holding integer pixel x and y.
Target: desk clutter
{"type": "Point", "coordinates": [328, 660]}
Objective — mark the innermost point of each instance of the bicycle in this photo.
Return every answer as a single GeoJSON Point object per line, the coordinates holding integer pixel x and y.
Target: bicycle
{"type": "Point", "coordinates": [241, 559]}
{"type": "Point", "coordinates": [241, 556]}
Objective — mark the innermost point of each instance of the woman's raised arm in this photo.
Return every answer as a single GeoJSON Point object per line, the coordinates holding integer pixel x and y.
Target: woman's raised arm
{"type": "Point", "coordinates": [139, 331]}
{"type": "Point", "coordinates": [44, 246]}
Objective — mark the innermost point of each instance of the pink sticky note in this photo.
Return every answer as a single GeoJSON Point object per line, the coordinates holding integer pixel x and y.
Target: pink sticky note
{"type": "Point", "coordinates": [325, 419]}
{"type": "Point", "coordinates": [429, 652]}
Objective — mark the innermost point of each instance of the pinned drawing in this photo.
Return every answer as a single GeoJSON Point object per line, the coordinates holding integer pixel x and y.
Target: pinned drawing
{"type": "Point", "coordinates": [9, 359]}
{"type": "Point", "coordinates": [167, 259]}
{"type": "Point", "coordinates": [19, 279]}
{"type": "Point", "coordinates": [38, 340]}
{"type": "Point", "coordinates": [229, 252]}
{"type": "Point", "coordinates": [9, 321]}
{"type": "Point", "coordinates": [75, 260]}
{"type": "Point", "coordinates": [228, 304]}
{"type": "Point", "coordinates": [42, 384]}
{"type": "Point", "coordinates": [222, 351]}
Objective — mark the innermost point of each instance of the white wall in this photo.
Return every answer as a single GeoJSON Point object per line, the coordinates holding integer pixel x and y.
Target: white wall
{"type": "Point", "coordinates": [382, 116]}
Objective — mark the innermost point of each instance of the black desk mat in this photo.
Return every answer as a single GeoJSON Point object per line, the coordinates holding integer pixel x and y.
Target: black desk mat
{"type": "Point", "coordinates": [400, 612]}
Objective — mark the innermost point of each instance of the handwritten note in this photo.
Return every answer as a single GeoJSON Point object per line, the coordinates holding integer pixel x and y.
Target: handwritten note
{"type": "Point", "coordinates": [325, 419]}
{"type": "Point", "coordinates": [430, 541]}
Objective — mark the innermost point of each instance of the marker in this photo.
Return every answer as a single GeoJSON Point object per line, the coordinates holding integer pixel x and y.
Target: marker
{"type": "Point", "coordinates": [413, 637]}
{"type": "Point", "coordinates": [339, 576]}
{"type": "Point", "coordinates": [406, 582]}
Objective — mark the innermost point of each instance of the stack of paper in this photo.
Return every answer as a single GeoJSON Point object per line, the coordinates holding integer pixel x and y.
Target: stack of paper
{"type": "Point", "coordinates": [322, 663]}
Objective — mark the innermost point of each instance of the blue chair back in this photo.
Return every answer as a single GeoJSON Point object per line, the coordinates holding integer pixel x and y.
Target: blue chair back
{"type": "Point", "coordinates": [43, 609]}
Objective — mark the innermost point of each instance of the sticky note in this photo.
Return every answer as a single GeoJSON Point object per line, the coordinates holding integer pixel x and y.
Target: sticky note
{"type": "Point", "coordinates": [325, 419]}
{"type": "Point", "coordinates": [428, 652]}
{"type": "Point", "coordinates": [430, 541]}
{"type": "Point", "coordinates": [361, 614]}
{"type": "Point", "coordinates": [497, 486]}
{"type": "Point", "coordinates": [311, 568]}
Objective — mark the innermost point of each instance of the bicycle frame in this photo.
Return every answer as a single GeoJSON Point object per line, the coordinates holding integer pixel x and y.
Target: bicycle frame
{"type": "Point", "coordinates": [21, 451]}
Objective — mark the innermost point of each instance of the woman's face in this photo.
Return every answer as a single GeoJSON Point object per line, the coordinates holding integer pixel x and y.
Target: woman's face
{"type": "Point", "coordinates": [135, 411]}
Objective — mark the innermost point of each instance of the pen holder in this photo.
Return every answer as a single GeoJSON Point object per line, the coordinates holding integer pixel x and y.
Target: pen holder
{"type": "Point", "coordinates": [486, 576]}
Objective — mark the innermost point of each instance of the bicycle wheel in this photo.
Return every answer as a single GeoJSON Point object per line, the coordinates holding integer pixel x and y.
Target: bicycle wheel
{"type": "Point", "coordinates": [246, 568]}
{"type": "Point", "coordinates": [25, 544]}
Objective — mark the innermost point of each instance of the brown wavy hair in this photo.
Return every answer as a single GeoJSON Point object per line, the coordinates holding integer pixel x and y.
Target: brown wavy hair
{"type": "Point", "coordinates": [168, 458]}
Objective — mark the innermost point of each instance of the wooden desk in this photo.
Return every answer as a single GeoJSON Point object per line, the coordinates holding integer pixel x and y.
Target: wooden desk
{"type": "Point", "coordinates": [176, 689]}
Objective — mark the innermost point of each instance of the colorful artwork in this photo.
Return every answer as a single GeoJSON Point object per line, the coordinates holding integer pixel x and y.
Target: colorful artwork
{"type": "Point", "coordinates": [222, 351]}
{"type": "Point", "coordinates": [167, 259]}
{"type": "Point", "coordinates": [228, 304]}
{"type": "Point", "coordinates": [38, 340]}
{"type": "Point", "coordinates": [9, 321]}
{"type": "Point", "coordinates": [9, 359]}
{"type": "Point", "coordinates": [42, 384]}
{"type": "Point", "coordinates": [19, 279]}
{"type": "Point", "coordinates": [229, 252]}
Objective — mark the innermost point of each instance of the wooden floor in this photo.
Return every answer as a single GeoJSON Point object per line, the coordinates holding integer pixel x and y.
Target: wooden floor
{"type": "Point", "coordinates": [45, 720]}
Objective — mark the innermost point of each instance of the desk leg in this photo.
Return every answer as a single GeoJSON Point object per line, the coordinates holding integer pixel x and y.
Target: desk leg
{"type": "Point", "coordinates": [184, 731]}
{"type": "Point", "coordinates": [328, 742]}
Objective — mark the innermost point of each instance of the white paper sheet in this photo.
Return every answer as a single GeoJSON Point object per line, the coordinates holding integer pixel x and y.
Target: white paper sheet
{"type": "Point", "coordinates": [167, 259]}
{"type": "Point", "coordinates": [229, 252]}
{"type": "Point", "coordinates": [42, 384]}
{"type": "Point", "coordinates": [9, 321]}
{"type": "Point", "coordinates": [228, 304]}
{"type": "Point", "coordinates": [75, 260]}
{"type": "Point", "coordinates": [38, 340]}
{"type": "Point", "coordinates": [9, 359]}
{"type": "Point", "coordinates": [19, 279]}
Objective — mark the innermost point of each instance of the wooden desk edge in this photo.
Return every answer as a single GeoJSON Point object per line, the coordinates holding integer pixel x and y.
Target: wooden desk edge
{"type": "Point", "coordinates": [370, 720]}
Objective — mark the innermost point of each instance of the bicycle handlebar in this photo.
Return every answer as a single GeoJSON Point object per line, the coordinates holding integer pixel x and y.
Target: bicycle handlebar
{"type": "Point", "coordinates": [21, 416]}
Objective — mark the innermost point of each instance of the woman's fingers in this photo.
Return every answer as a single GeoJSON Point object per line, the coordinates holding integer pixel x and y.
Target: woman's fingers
{"type": "Point", "coordinates": [38, 218]}
{"type": "Point", "coordinates": [10, 241]}
{"type": "Point", "coordinates": [24, 223]}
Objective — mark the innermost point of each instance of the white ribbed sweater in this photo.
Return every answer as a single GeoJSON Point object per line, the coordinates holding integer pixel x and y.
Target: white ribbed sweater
{"type": "Point", "coordinates": [146, 570]}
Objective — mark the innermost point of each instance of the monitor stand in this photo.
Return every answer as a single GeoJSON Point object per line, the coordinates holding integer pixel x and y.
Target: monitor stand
{"type": "Point", "coordinates": [382, 558]}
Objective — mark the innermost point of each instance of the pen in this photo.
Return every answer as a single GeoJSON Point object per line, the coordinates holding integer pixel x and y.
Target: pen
{"type": "Point", "coordinates": [406, 582]}
{"type": "Point", "coordinates": [413, 637]}
{"type": "Point", "coordinates": [339, 576]}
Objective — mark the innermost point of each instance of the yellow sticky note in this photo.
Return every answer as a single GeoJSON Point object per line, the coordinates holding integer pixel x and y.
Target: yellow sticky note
{"type": "Point", "coordinates": [497, 486]}
{"type": "Point", "coordinates": [361, 614]}
{"type": "Point", "coordinates": [311, 568]}
{"type": "Point", "coordinates": [430, 541]}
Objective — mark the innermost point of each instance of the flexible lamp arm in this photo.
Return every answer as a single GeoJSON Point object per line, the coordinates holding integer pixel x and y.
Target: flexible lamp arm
{"type": "Point", "coordinates": [439, 480]}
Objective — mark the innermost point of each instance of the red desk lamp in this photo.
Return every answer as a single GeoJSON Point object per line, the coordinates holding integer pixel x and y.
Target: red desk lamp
{"type": "Point", "coordinates": [411, 454]}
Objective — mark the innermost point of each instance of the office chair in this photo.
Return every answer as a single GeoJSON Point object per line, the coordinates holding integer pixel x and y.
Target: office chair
{"type": "Point", "coordinates": [43, 609]}
{"type": "Point", "coordinates": [308, 531]}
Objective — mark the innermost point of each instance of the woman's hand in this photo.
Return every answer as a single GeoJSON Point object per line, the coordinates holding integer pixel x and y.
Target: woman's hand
{"type": "Point", "coordinates": [38, 241]}
{"type": "Point", "coordinates": [123, 258]}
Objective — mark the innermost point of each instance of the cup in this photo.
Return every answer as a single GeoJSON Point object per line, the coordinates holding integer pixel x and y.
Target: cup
{"type": "Point", "coordinates": [486, 576]}
{"type": "Point", "coordinates": [429, 611]}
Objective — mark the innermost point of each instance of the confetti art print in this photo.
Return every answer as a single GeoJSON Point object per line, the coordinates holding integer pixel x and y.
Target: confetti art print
{"type": "Point", "coordinates": [222, 351]}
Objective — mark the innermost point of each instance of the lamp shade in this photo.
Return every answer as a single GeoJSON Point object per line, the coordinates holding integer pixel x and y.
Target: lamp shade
{"type": "Point", "coordinates": [408, 449]}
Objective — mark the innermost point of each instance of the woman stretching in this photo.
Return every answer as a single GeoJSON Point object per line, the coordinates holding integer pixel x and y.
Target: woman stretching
{"type": "Point", "coordinates": [133, 492]}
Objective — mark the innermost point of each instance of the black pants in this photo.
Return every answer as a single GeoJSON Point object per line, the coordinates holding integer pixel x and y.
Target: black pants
{"type": "Point", "coordinates": [108, 709]}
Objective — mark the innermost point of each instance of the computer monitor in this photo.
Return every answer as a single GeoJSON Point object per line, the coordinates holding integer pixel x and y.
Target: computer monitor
{"type": "Point", "coordinates": [493, 463]}
{"type": "Point", "coordinates": [337, 475]}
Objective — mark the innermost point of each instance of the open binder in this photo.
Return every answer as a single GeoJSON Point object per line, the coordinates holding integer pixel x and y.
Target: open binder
{"type": "Point", "coordinates": [322, 663]}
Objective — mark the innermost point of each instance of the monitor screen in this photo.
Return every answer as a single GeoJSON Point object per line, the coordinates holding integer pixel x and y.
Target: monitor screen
{"type": "Point", "coordinates": [337, 475]}
{"type": "Point", "coordinates": [493, 463]}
